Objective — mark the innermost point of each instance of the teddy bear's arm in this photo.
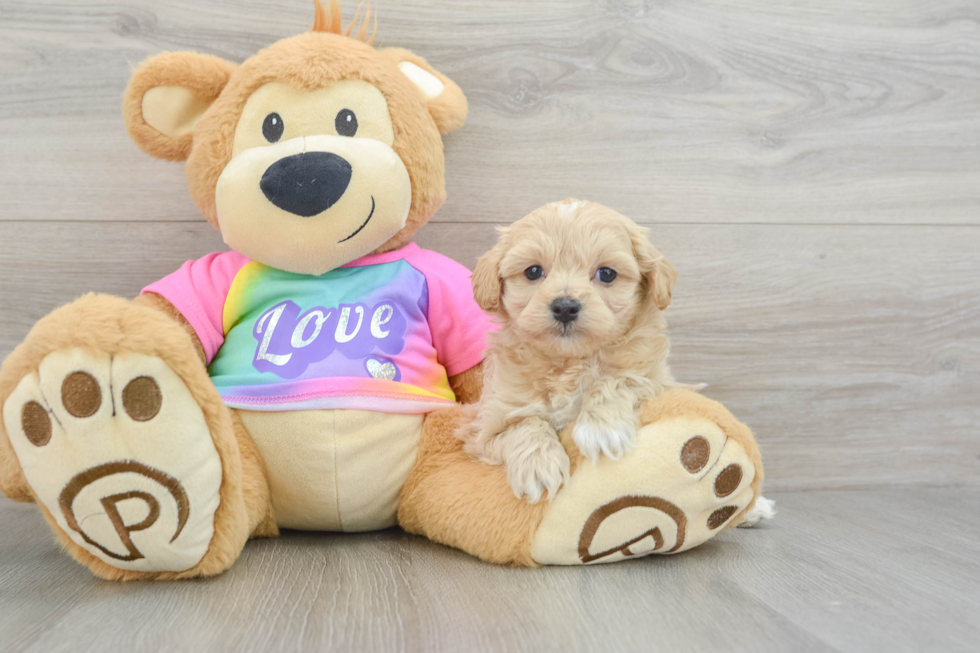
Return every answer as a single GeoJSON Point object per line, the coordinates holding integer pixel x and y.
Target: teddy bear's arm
{"type": "Point", "coordinates": [160, 303]}
{"type": "Point", "coordinates": [467, 385]}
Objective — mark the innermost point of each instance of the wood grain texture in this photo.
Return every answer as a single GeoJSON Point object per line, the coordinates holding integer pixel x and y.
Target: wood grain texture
{"type": "Point", "coordinates": [853, 353]}
{"type": "Point", "coordinates": [843, 111]}
{"type": "Point", "coordinates": [835, 571]}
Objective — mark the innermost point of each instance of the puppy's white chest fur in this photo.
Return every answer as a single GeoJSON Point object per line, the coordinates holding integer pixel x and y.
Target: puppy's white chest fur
{"type": "Point", "coordinates": [564, 409]}
{"type": "Point", "coordinates": [566, 391]}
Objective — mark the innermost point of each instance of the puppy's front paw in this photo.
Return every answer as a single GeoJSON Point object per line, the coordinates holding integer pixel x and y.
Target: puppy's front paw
{"type": "Point", "coordinates": [612, 436]}
{"type": "Point", "coordinates": [537, 466]}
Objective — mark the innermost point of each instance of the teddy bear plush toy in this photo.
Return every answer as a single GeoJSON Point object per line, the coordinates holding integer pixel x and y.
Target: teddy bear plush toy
{"type": "Point", "coordinates": [309, 377]}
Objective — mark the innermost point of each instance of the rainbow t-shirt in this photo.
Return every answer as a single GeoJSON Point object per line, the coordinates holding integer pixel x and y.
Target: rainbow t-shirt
{"type": "Point", "coordinates": [381, 333]}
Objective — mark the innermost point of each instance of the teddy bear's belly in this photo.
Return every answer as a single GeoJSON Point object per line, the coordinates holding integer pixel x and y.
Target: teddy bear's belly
{"type": "Point", "coordinates": [335, 470]}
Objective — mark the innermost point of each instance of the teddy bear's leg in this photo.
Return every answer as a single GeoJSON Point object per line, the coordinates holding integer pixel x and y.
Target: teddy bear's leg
{"type": "Point", "coordinates": [694, 471]}
{"type": "Point", "coordinates": [111, 424]}
{"type": "Point", "coordinates": [455, 500]}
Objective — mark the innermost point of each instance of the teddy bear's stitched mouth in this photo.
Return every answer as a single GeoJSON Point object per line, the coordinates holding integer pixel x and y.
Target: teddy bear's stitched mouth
{"type": "Point", "coordinates": [364, 224]}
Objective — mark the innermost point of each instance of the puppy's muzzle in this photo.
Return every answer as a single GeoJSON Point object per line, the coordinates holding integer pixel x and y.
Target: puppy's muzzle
{"type": "Point", "coordinates": [306, 184]}
{"type": "Point", "coordinates": [565, 310]}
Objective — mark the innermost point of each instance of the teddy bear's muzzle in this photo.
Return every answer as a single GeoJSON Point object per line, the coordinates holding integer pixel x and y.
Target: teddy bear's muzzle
{"type": "Point", "coordinates": [306, 184]}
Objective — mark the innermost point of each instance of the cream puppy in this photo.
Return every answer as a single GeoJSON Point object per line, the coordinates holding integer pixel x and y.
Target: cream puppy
{"type": "Point", "coordinates": [579, 292]}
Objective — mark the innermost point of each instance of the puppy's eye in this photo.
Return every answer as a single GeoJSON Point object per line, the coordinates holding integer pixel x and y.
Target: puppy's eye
{"type": "Point", "coordinates": [272, 127]}
{"type": "Point", "coordinates": [346, 123]}
{"type": "Point", "coordinates": [534, 273]}
{"type": "Point", "coordinates": [605, 275]}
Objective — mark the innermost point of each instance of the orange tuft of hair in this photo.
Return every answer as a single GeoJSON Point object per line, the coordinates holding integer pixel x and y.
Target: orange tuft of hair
{"type": "Point", "coordinates": [328, 20]}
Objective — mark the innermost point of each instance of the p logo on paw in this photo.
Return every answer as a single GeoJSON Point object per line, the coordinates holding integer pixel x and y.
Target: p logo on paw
{"type": "Point", "coordinates": [121, 456]}
{"type": "Point", "coordinates": [608, 529]}
{"type": "Point", "coordinates": [84, 489]}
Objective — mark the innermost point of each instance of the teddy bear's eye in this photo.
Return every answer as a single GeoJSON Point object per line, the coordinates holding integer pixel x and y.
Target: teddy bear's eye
{"type": "Point", "coordinates": [605, 275]}
{"type": "Point", "coordinates": [272, 127]}
{"type": "Point", "coordinates": [534, 273]}
{"type": "Point", "coordinates": [346, 123]}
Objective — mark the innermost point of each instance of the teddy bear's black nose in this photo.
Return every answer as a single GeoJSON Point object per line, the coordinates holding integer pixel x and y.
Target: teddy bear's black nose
{"type": "Point", "coordinates": [306, 184]}
{"type": "Point", "coordinates": [565, 309]}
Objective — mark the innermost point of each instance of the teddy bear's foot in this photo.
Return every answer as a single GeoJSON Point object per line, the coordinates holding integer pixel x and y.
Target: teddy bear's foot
{"type": "Point", "coordinates": [120, 454]}
{"type": "Point", "coordinates": [692, 473]}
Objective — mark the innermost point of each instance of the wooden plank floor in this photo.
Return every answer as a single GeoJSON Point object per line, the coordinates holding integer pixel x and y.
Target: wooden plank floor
{"type": "Point", "coordinates": [860, 570]}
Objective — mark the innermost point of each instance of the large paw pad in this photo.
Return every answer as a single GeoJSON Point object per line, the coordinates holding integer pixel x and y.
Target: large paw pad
{"type": "Point", "coordinates": [120, 454]}
{"type": "Point", "coordinates": [678, 487]}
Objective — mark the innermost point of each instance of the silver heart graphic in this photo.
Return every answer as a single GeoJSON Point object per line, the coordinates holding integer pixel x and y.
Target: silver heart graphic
{"type": "Point", "coordinates": [380, 370]}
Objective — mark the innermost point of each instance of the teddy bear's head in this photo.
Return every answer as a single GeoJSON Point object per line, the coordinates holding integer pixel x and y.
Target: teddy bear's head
{"type": "Point", "coordinates": [316, 151]}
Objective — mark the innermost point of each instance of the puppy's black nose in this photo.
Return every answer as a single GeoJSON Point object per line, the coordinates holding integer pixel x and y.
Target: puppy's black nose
{"type": "Point", "coordinates": [306, 184]}
{"type": "Point", "coordinates": [565, 309]}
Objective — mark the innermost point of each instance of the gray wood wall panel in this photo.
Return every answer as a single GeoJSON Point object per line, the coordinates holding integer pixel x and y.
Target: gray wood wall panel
{"type": "Point", "coordinates": [854, 354]}
{"type": "Point", "coordinates": [812, 170]}
{"type": "Point", "coordinates": [843, 111]}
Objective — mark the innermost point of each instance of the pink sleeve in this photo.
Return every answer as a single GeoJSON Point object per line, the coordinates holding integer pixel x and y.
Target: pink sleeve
{"type": "Point", "coordinates": [198, 290]}
{"type": "Point", "coordinates": [459, 326]}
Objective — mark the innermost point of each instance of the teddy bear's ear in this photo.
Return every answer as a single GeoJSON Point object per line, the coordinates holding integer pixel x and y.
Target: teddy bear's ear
{"type": "Point", "coordinates": [166, 96]}
{"type": "Point", "coordinates": [446, 102]}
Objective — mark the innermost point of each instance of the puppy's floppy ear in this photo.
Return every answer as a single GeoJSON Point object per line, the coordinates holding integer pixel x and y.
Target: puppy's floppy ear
{"type": "Point", "coordinates": [166, 96]}
{"type": "Point", "coordinates": [658, 273]}
{"type": "Point", "coordinates": [663, 281]}
{"type": "Point", "coordinates": [487, 283]}
{"type": "Point", "coordinates": [444, 99]}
